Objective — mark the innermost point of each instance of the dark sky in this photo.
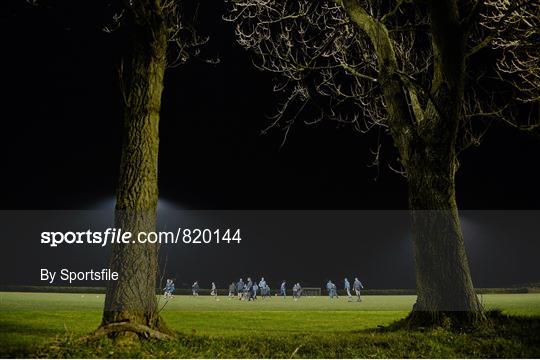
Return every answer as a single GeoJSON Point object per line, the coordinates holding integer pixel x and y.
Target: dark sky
{"type": "Point", "coordinates": [62, 116]}
{"type": "Point", "coordinates": [61, 140]}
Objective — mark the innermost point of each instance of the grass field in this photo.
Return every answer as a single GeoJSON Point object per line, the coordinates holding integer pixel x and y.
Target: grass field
{"type": "Point", "coordinates": [275, 327]}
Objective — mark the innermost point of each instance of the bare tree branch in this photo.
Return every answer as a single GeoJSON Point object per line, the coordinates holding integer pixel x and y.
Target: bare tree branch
{"type": "Point", "coordinates": [372, 63]}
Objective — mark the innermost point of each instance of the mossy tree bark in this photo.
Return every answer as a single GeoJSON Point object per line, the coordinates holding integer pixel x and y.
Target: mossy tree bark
{"type": "Point", "coordinates": [443, 279]}
{"type": "Point", "coordinates": [444, 282]}
{"type": "Point", "coordinates": [131, 304]}
{"type": "Point", "coordinates": [426, 140]}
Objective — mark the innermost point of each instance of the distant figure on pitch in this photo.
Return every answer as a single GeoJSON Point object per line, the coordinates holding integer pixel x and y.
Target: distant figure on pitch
{"type": "Point", "coordinates": [255, 289]}
{"type": "Point", "coordinates": [195, 288]}
{"type": "Point", "coordinates": [357, 286]}
{"type": "Point", "coordinates": [213, 291]}
{"type": "Point", "coordinates": [265, 291]}
{"type": "Point", "coordinates": [283, 289]}
{"type": "Point", "coordinates": [245, 292]}
{"type": "Point", "coordinates": [348, 289]}
{"type": "Point", "coordinates": [232, 289]}
{"type": "Point", "coordinates": [262, 287]}
{"type": "Point", "coordinates": [297, 291]}
{"type": "Point", "coordinates": [249, 289]}
{"type": "Point", "coordinates": [331, 288]}
{"type": "Point", "coordinates": [169, 289]}
{"type": "Point", "coordinates": [240, 289]}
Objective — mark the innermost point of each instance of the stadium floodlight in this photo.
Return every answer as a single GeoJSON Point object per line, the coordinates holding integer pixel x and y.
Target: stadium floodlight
{"type": "Point", "coordinates": [311, 291]}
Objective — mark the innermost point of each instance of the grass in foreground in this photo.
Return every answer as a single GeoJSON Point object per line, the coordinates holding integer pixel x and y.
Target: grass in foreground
{"type": "Point", "coordinates": [50, 324]}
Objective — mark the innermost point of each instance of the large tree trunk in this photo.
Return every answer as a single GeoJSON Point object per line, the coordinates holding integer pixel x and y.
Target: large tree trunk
{"type": "Point", "coordinates": [443, 280]}
{"type": "Point", "coordinates": [426, 139]}
{"type": "Point", "coordinates": [131, 303]}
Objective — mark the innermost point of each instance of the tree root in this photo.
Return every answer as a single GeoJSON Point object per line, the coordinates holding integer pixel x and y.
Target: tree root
{"type": "Point", "coordinates": [126, 330]}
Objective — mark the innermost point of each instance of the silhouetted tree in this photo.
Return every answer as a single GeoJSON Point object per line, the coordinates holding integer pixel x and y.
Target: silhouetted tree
{"type": "Point", "coordinates": [407, 66]}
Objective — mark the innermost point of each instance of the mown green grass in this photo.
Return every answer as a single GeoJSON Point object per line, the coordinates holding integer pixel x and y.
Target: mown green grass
{"type": "Point", "coordinates": [276, 327]}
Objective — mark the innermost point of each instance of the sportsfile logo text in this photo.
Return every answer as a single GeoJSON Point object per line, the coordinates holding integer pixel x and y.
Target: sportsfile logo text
{"type": "Point", "coordinates": [118, 236]}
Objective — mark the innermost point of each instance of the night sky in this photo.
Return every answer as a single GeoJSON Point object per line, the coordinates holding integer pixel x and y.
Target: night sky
{"type": "Point", "coordinates": [61, 140]}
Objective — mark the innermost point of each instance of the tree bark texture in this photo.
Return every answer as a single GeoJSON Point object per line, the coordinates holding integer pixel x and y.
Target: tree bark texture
{"type": "Point", "coordinates": [132, 299]}
{"type": "Point", "coordinates": [443, 278]}
{"type": "Point", "coordinates": [426, 140]}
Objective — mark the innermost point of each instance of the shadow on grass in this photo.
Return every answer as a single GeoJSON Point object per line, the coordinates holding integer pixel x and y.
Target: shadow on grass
{"type": "Point", "coordinates": [503, 337]}
{"type": "Point", "coordinates": [21, 339]}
